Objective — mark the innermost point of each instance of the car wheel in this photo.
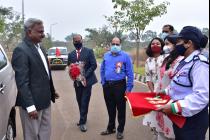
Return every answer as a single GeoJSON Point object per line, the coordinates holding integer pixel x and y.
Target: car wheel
{"type": "Point", "coordinates": [10, 130]}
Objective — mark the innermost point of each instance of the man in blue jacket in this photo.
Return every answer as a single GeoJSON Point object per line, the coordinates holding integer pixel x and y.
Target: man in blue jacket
{"type": "Point", "coordinates": [86, 56]}
{"type": "Point", "coordinates": [115, 69]}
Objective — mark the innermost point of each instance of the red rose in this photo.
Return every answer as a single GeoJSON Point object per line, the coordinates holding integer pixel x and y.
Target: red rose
{"type": "Point", "coordinates": [74, 71]}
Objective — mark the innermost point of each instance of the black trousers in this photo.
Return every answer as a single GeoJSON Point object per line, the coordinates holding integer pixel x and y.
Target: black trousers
{"type": "Point", "coordinates": [195, 127]}
{"type": "Point", "coordinates": [83, 95]}
{"type": "Point", "coordinates": [115, 102]}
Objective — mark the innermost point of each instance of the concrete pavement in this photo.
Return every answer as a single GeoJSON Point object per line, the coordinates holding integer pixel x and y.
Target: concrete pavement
{"type": "Point", "coordinates": [65, 114]}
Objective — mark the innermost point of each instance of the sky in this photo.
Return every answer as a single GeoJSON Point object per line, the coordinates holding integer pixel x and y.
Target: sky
{"type": "Point", "coordinates": [74, 16]}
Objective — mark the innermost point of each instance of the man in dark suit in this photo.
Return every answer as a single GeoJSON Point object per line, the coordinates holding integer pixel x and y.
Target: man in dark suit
{"type": "Point", "coordinates": [34, 83]}
{"type": "Point", "coordinates": [83, 90]}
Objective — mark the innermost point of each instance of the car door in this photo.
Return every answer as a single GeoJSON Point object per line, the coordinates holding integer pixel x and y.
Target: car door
{"type": "Point", "coordinates": [8, 91]}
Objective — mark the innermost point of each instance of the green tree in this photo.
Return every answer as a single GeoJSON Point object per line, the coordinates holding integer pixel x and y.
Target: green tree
{"type": "Point", "coordinates": [114, 21]}
{"type": "Point", "coordinates": [4, 12]}
{"type": "Point", "coordinates": [149, 35]}
{"type": "Point", "coordinates": [1, 25]}
{"type": "Point", "coordinates": [101, 37]}
{"type": "Point", "coordinates": [136, 15]}
{"type": "Point", "coordinates": [10, 27]}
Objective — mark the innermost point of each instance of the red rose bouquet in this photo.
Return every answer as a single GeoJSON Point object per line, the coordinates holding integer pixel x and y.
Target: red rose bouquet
{"type": "Point", "coordinates": [76, 73]}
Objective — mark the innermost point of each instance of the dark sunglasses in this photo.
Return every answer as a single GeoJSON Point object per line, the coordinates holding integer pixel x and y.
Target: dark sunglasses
{"type": "Point", "coordinates": [115, 44]}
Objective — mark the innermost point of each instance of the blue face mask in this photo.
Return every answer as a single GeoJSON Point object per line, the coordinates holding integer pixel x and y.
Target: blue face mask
{"type": "Point", "coordinates": [180, 49]}
{"type": "Point", "coordinates": [115, 49]}
{"type": "Point", "coordinates": [164, 35]}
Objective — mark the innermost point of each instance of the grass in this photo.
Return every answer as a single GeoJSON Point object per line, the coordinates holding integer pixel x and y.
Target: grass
{"type": "Point", "coordinates": [139, 70]}
{"type": "Point", "coordinates": [99, 60]}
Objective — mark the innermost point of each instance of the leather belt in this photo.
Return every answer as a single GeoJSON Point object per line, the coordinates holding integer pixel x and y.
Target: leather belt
{"type": "Point", "coordinates": [115, 82]}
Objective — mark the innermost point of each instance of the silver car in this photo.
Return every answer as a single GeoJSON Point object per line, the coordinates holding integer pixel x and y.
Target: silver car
{"type": "Point", "coordinates": [8, 93]}
{"type": "Point", "coordinates": [58, 57]}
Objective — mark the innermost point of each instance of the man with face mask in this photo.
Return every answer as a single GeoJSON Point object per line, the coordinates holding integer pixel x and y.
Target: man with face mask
{"type": "Point", "coordinates": [115, 69]}
{"type": "Point", "coordinates": [167, 30]}
{"type": "Point", "coordinates": [86, 56]}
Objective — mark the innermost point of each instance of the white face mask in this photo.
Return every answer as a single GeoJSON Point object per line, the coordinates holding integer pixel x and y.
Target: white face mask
{"type": "Point", "coordinates": [167, 49]}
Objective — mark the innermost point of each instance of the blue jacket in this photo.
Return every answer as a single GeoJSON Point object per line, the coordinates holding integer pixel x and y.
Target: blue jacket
{"type": "Point", "coordinates": [86, 56]}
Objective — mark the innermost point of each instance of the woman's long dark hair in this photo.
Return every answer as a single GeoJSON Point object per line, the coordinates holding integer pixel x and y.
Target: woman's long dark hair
{"type": "Point", "coordinates": [170, 59]}
{"type": "Point", "coordinates": [149, 49]}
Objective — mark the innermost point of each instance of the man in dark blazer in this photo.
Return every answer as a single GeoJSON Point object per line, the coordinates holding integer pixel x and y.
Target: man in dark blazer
{"type": "Point", "coordinates": [34, 83]}
{"type": "Point", "coordinates": [83, 91]}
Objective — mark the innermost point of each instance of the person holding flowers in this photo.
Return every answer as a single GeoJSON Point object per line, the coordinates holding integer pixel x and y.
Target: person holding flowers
{"type": "Point", "coordinates": [82, 64]}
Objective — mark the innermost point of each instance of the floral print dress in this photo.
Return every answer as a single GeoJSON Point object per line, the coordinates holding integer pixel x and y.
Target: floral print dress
{"type": "Point", "coordinates": [152, 68]}
{"type": "Point", "coordinates": [158, 120]}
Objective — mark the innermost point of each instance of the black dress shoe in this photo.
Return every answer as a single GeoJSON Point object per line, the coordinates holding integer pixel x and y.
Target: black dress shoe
{"type": "Point", "coordinates": [108, 132]}
{"type": "Point", "coordinates": [120, 136]}
{"type": "Point", "coordinates": [83, 127]}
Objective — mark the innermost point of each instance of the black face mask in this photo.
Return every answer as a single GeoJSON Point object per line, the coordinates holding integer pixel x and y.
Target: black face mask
{"type": "Point", "coordinates": [78, 45]}
{"type": "Point", "coordinates": [180, 49]}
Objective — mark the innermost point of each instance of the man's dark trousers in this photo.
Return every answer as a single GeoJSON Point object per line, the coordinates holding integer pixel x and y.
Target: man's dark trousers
{"type": "Point", "coordinates": [114, 93]}
{"type": "Point", "coordinates": [83, 95]}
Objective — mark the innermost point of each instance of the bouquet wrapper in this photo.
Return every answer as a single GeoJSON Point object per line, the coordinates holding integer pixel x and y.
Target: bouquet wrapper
{"type": "Point", "coordinates": [76, 73]}
{"type": "Point", "coordinates": [140, 106]}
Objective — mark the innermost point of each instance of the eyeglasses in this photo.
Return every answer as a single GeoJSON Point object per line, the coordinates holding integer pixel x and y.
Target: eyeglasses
{"type": "Point", "coordinates": [115, 44]}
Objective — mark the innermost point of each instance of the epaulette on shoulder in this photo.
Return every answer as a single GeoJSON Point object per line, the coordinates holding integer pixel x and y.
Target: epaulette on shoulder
{"type": "Point", "coordinates": [201, 58]}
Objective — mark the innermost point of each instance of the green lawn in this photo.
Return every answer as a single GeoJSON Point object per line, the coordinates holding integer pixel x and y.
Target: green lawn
{"type": "Point", "coordinates": [99, 60]}
{"type": "Point", "coordinates": [139, 70]}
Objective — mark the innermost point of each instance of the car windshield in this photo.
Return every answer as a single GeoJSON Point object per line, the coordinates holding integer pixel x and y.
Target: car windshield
{"type": "Point", "coordinates": [53, 51]}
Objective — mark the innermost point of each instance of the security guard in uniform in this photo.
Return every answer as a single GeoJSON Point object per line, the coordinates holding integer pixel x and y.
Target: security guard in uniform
{"type": "Point", "coordinates": [190, 87]}
{"type": "Point", "coordinates": [115, 68]}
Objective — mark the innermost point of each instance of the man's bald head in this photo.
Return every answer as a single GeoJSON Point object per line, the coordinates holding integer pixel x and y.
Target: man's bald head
{"type": "Point", "coordinates": [77, 41]}
{"type": "Point", "coordinates": [77, 38]}
{"type": "Point", "coordinates": [116, 40]}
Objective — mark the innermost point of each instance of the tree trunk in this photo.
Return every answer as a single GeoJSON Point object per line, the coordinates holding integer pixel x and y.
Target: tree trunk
{"type": "Point", "coordinates": [137, 53]}
{"type": "Point", "coordinates": [137, 49]}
